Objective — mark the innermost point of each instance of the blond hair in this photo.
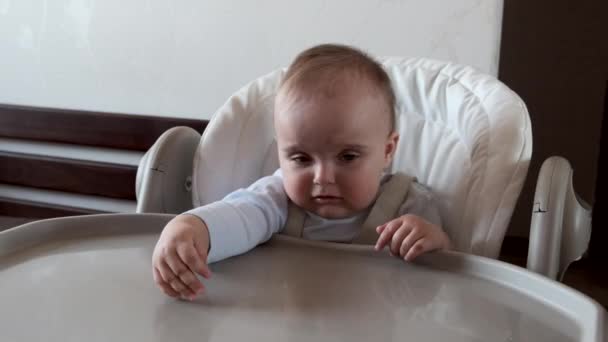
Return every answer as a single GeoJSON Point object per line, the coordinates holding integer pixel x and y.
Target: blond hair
{"type": "Point", "coordinates": [320, 66]}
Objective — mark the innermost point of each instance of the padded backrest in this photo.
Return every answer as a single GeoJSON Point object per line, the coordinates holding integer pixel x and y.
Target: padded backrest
{"type": "Point", "coordinates": [463, 133]}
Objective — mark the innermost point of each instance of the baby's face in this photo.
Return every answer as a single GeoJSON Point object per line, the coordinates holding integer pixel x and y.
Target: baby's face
{"type": "Point", "coordinates": [333, 149]}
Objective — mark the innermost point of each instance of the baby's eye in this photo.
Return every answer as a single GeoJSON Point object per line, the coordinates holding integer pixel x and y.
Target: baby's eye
{"type": "Point", "coordinates": [349, 156]}
{"type": "Point", "coordinates": [300, 159]}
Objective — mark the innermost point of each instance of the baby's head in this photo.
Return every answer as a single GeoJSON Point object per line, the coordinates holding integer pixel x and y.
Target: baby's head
{"type": "Point", "coordinates": [334, 122]}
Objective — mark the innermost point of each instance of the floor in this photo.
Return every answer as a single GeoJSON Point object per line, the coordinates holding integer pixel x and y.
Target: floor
{"type": "Point", "coordinates": [584, 276]}
{"type": "Point", "coordinates": [589, 279]}
{"type": "Point", "coordinates": [7, 222]}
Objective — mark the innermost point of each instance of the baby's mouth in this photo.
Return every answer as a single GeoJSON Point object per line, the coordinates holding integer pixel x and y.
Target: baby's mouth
{"type": "Point", "coordinates": [326, 199]}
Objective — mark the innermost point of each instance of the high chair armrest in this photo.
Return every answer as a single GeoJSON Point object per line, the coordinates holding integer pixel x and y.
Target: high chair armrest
{"type": "Point", "coordinates": [561, 221]}
{"type": "Point", "coordinates": [164, 175]}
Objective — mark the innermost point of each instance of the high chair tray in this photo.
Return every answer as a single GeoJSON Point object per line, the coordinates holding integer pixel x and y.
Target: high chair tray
{"type": "Point", "coordinates": [89, 279]}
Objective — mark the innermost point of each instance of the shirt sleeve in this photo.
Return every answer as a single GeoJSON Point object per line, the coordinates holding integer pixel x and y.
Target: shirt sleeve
{"type": "Point", "coordinates": [421, 202]}
{"type": "Point", "coordinates": [244, 218]}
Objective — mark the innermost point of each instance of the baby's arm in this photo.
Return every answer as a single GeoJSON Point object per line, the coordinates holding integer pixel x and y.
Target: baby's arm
{"type": "Point", "coordinates": [418, 228]}
{"type": "Point", "coordinates": [245, 218]}
{"type": "Point", "coordinates": [234, 225]}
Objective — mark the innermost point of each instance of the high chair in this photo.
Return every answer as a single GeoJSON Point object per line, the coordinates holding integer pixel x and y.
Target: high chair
{"type": "Point", "coordinates": [463, 133]}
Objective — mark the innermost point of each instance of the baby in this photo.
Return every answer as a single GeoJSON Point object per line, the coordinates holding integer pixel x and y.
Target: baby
{"type": "Point", "coordinates": [335, 130]}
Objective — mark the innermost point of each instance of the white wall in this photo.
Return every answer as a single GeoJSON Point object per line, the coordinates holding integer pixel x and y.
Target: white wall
{"type": "Point", "coordinates": [183, 58]}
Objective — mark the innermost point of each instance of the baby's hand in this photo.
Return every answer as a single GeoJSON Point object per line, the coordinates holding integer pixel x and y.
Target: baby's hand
{"type": "Point", "coordinates": [180, 253]}
{"type": "Point", "coordinates": [408, 236]}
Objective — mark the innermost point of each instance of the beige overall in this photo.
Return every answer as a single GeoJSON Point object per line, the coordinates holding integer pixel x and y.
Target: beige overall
{"type": "Point", "coordinates": [392, 195]}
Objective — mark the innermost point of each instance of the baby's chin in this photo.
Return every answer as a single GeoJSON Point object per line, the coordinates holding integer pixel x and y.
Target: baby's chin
{"type": "Point", "coordinates": [333, 212]}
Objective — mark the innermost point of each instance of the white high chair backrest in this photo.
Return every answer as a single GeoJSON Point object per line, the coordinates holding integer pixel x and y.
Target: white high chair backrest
{"type": "Point", "coordinates": [464, 134]}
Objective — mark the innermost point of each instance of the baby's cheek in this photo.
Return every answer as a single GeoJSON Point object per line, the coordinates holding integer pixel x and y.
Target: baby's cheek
{"type": "Point", "coordinates": [296, 189]}
{"type": "Point", "coordinates": [363, 194]}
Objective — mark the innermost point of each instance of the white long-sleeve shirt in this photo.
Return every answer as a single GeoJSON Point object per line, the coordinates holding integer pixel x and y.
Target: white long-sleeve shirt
{"type": "Point", "coordinates": [247, 217]}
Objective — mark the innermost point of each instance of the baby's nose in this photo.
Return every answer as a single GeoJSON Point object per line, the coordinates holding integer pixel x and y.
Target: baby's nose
{"type": "Point", "coordinates": [325, 174]}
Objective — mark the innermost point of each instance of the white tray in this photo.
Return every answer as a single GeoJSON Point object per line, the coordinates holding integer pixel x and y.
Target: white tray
{"type": "Point", "coordinates": [89, 279]}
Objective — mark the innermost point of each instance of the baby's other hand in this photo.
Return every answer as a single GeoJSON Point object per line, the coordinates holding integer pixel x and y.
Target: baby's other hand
{"type": "Point", "coordinates": [181, 253]}
{"type": "Point", "coordinates": [408, 236]}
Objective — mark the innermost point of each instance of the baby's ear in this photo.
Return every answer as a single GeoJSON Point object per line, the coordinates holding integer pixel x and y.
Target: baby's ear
{"type": "Point", "coordinates": [390, 147]}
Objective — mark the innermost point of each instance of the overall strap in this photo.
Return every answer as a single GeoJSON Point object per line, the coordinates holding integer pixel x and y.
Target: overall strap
{"type": "Point", "coordinates": [392, 195]}
{"type": "Point", "coordinates": [295, 221]}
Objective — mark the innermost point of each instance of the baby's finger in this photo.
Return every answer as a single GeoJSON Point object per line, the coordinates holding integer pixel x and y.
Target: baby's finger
{"type": "Point", "coordinates": [177, 268]}
{"type": "Point", "coordinates": [165, 271]}
{"type": "Point", "coordinates": [381, 228]}
{"type": "Point", "coordinates": [190, 280]}
{"type": "Point", "coordinates": [421, 246]}
{"type": "Point", "coordinates": [398, 237]}
{"type": "Point", "coordinates": [187, 283]}
{"type": "Point", "coordinates": [203, 268]}
{"type": "Point", "coordinates": [171, 279]}
{"type": "Point", "coordinates": [166, 288]}
{"type": "Point", "coordinates": [409, 241]}
{"type": "Point", "coordinates": [190, 258]}
{"type": "Point", "coordinates": [387, 234]}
